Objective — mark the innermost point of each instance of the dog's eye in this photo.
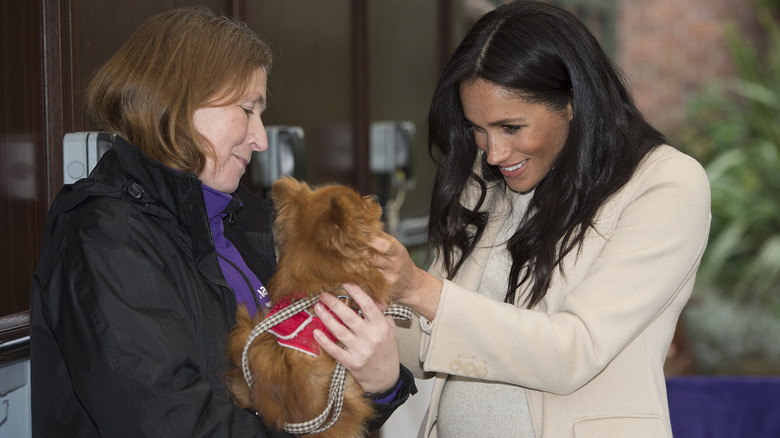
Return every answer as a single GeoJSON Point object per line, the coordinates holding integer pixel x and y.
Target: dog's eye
{"type": "Point", "coordinates": [374, 198]}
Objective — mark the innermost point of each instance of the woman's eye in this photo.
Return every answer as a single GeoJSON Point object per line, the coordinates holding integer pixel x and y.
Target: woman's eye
{"type": "Point", "coordinates": [512, 128]}
{"type": "Point", "coordinates": [248, 111]}
{"type": "Point", "coordinates": [474, 128]}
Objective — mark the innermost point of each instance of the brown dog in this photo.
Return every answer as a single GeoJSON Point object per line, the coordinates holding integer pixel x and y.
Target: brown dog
{"type": "Point", "coordinates": [323, 238]}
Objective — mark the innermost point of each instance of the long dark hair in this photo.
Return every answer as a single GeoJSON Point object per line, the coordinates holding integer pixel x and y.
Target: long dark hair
{"type": "Point", "coordinates": [548, 56]}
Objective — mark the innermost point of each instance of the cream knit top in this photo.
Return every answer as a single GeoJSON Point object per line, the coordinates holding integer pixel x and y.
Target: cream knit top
{"type": "Point", "coordinates": [471, 407]}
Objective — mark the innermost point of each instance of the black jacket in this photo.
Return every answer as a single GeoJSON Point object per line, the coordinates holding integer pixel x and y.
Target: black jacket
{"type": "Point", "coordinates": [130, 311]}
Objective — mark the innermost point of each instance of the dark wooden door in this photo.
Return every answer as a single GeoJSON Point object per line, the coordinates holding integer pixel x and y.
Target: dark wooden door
{"type": "Point", "coordinates": [49, 50]}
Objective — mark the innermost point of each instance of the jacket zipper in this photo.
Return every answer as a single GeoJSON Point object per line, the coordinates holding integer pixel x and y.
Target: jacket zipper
{"type": "Point", "coordinates": [246, 279]}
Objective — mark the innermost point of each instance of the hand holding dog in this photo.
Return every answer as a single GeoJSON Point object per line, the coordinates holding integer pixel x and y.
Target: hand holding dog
{"type": "Point", "coordinates": [370, 342]}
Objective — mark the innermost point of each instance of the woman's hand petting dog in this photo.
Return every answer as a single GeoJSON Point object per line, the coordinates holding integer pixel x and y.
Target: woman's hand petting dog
{"type": "Point", "coordinates": [409, 285]}
{"type": "Point", "coordinates": [370, 351]}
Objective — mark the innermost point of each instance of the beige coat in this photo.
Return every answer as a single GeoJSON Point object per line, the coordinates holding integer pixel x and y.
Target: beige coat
{"type": "Point", "coordinates": [591, 354]}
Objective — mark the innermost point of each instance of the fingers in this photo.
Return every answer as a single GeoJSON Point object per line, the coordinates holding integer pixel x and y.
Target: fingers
{"type": "Point", "coordinates": [383, 244]}
{"type": "Point", "coordinates": [336, 327]}
{"type": "Point", "coordinates": [369, 346]}
{"type": "Point", "coordinates": [334, 350]}
{"type": "Point", "coordinates": [390, 253]}
{"type": "Point", "coordinates": [371, 311]}
{"type": "Point", "coordinates": [330, 306]}
{"type": "Point", "coordinates": [396, 266]}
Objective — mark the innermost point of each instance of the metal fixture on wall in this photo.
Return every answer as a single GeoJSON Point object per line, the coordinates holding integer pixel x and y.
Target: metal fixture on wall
{"type": "Point", "coordinates": [285, 156]}
{"type": "Point", "coordinates": [81, 151]}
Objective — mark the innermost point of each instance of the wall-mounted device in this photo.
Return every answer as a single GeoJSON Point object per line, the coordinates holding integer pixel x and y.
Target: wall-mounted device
{"type": "Point", "coordinates": [285, 156]}
{"type": "Point", "coordinates": [81, 152]}
{"type": "Point", "coordinates": [391, 149]}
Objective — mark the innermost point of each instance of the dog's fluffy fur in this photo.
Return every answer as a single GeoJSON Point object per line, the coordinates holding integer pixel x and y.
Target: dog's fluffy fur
{"type": "Point", "coordinates": [323, 238]}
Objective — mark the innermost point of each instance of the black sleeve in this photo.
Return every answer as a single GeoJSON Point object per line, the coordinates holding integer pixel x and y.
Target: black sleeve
{"type": "Point", "coordinates": [384, 410]}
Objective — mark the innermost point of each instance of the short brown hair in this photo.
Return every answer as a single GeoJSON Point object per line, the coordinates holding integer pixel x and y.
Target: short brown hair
{"type": "Point", "coordinates": [173, 64]}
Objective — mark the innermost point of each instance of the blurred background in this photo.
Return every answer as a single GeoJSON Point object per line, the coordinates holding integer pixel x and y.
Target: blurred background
{"type": "Point", "coordinates": [349, 94]}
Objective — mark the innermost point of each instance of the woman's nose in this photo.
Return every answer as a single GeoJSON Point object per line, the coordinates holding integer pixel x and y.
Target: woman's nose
{"type": "Point", "coordinates": [497, 151]}
{"type": "Point", "coordinates": [258, 138]}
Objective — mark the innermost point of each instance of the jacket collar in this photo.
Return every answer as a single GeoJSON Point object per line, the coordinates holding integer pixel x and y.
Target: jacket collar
{"type": "Point", "coordinates": [178, 192]}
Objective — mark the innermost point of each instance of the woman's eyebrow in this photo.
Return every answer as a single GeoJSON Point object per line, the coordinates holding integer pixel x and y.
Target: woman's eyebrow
{"type": "Point", "coordinates": [508, 121]}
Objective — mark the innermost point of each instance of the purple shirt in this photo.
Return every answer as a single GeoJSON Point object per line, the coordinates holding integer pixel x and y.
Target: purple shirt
{"type": "Point", "coordinates": [246, 286]}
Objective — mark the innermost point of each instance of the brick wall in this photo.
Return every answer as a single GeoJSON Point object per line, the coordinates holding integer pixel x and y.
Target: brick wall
{"type": "Point", "coordinates": [668, 49]}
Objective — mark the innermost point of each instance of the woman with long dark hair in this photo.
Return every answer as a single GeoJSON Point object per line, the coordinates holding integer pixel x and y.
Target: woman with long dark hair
{"type": "Point", "coordinates": [567, 235]}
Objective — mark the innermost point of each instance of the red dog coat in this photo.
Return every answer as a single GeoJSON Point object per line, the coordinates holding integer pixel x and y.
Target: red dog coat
{"type": "Point", "coordinates": [297, 331]}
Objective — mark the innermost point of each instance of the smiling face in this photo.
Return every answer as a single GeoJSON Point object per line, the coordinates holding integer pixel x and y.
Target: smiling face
{"type": "Point", "coordinates": [234, 131]}
{"type": "Point", "coordinates": [521, 138]}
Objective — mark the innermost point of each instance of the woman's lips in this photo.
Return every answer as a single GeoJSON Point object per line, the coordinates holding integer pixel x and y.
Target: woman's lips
{"type": "Point", "coordinates": [245, 162]}
{"type": "Point", "coordinates": [515, 170]}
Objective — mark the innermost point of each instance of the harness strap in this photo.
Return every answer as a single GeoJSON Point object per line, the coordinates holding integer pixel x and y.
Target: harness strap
{"type": "Point", "coordinates": [266, 324]}
{"type": "Point", "coordinates": [338, 378]}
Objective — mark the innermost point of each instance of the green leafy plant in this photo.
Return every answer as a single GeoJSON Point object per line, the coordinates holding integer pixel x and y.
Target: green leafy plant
{"type": "Point", "coordinates": [735, 133]}
{"type": "Point", "coordinates": [733, 320]}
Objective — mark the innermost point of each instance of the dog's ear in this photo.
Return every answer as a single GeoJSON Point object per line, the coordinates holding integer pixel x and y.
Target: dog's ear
{"type": "Point", "coordinates": [287, 189]}
{"type": "Point", "coordinates": [339, 211]}
{"type": "Point", "coordinates": [289, 197]}
{"type": "Point", "coordinates": [344, 225]}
